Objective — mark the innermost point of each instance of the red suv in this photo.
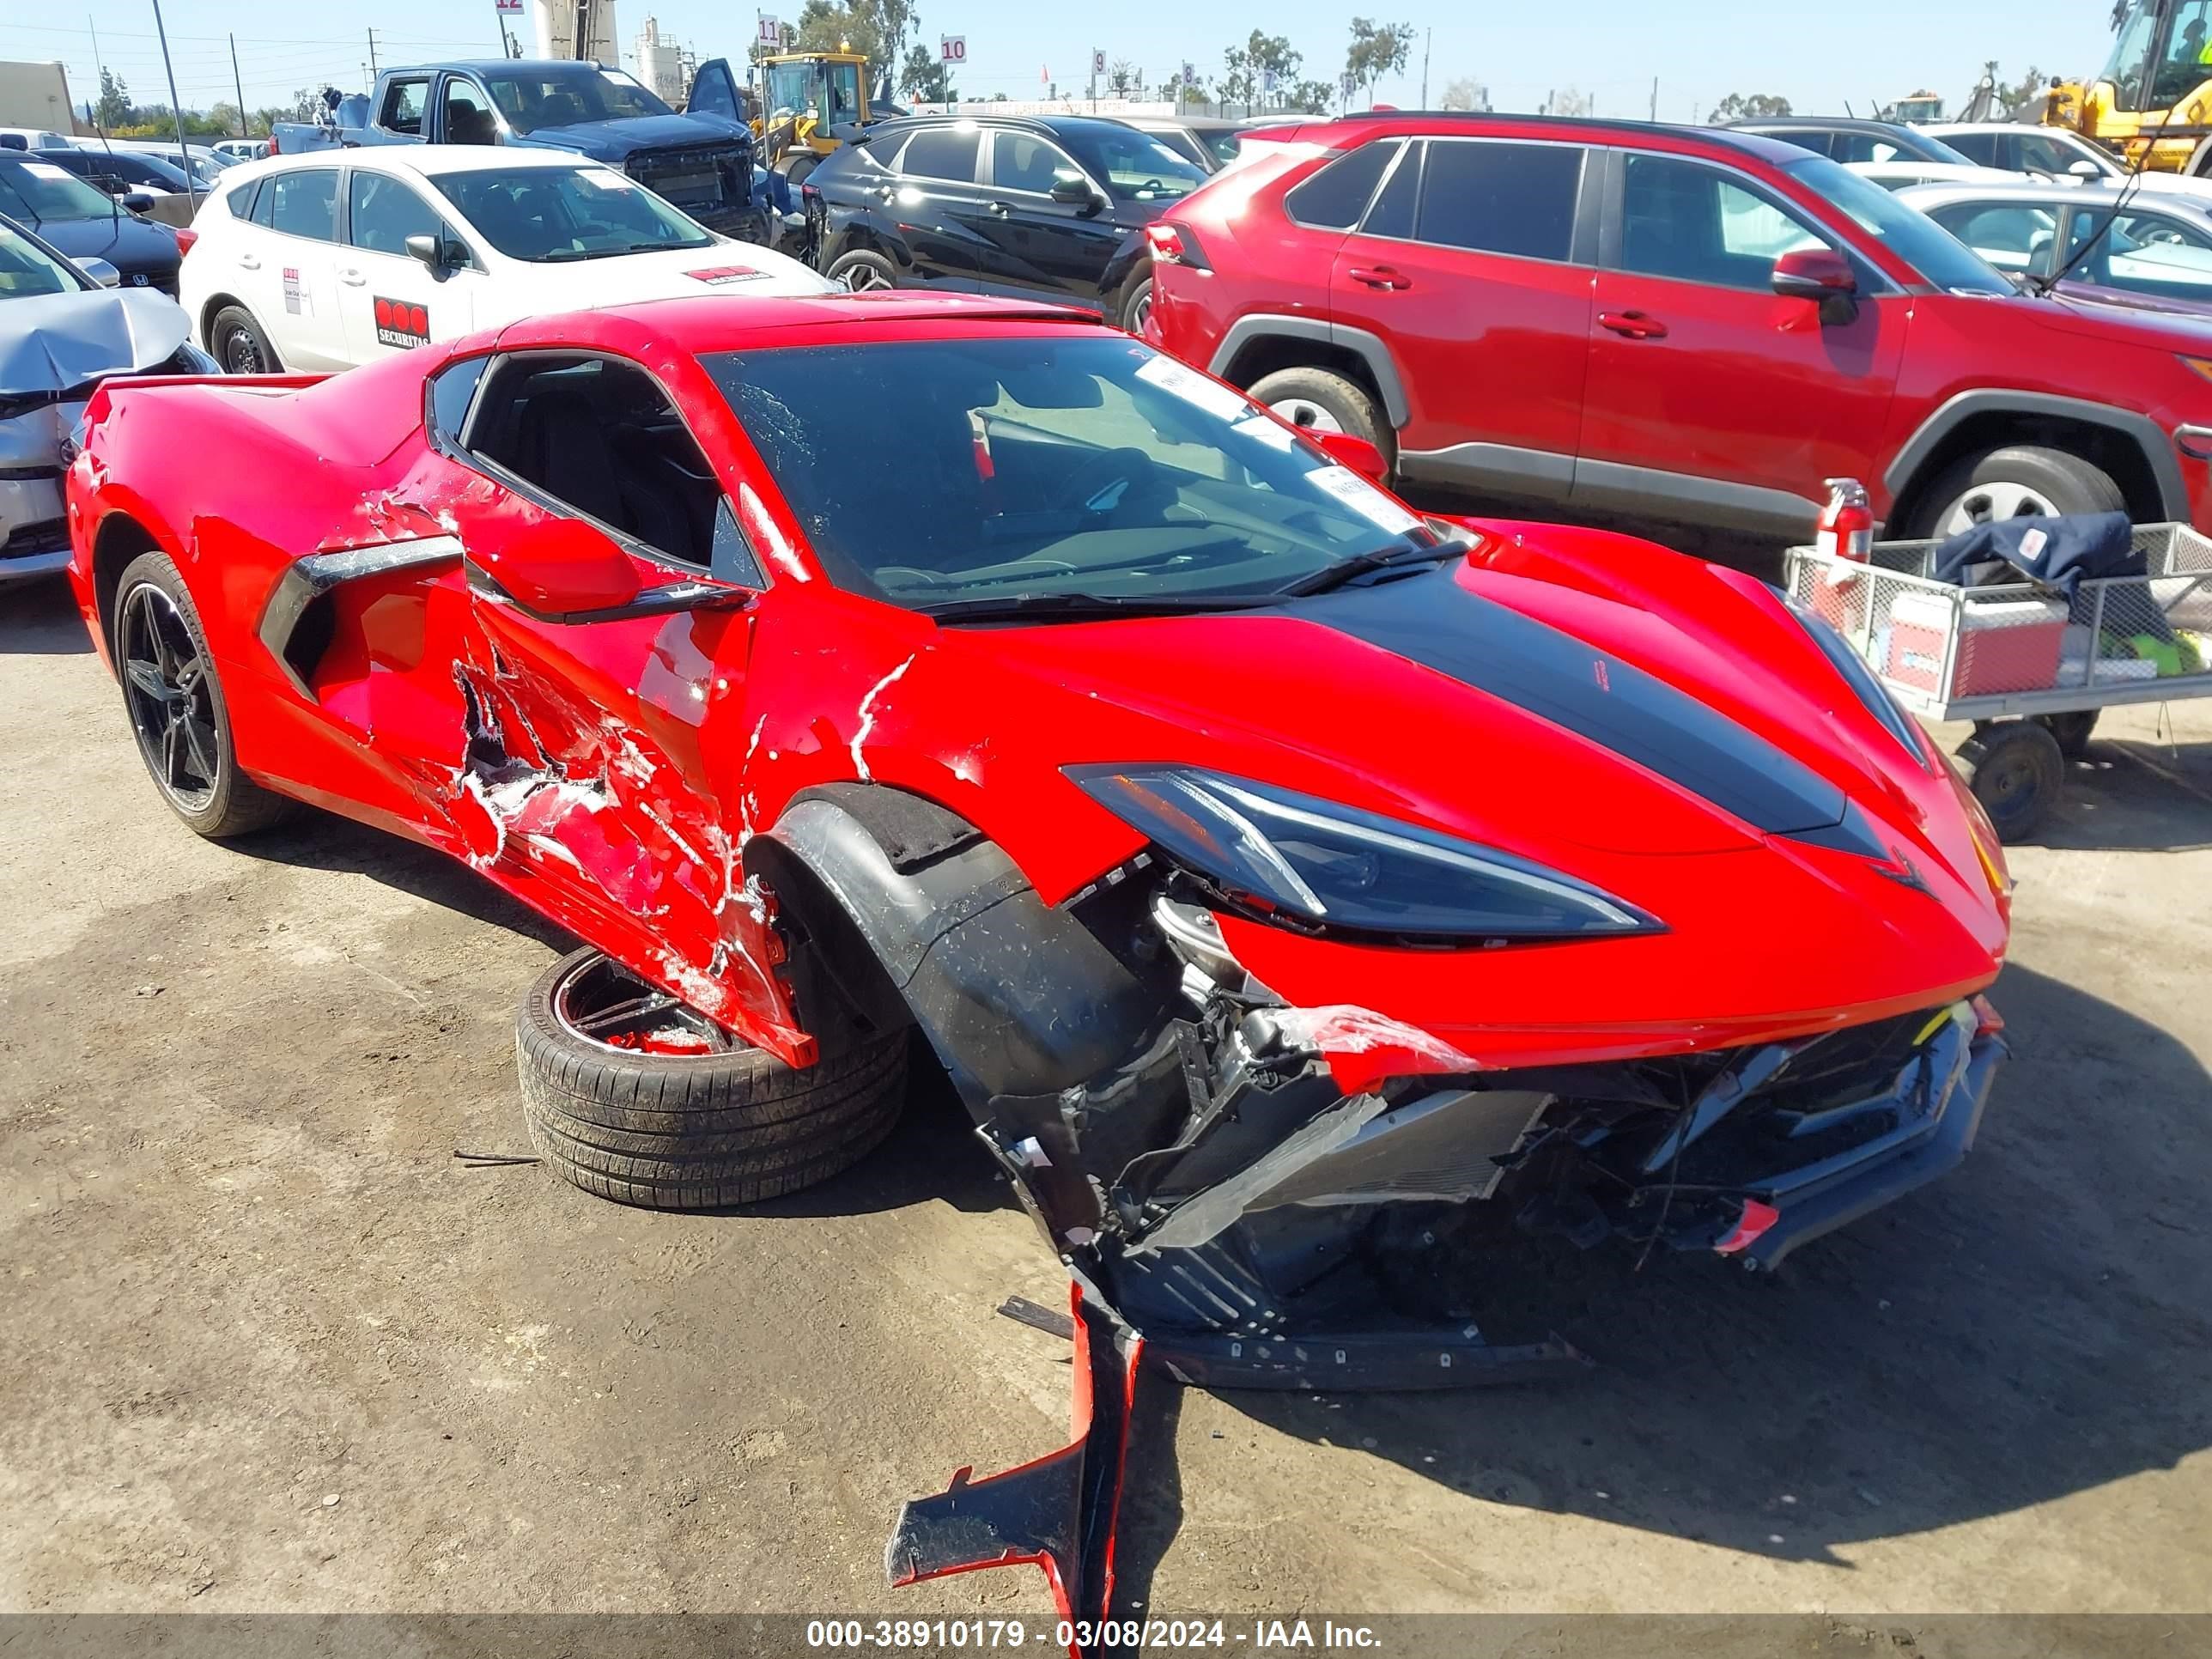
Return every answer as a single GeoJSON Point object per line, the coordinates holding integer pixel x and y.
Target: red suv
{"type": "Point", "coordinates": [1691, 324]}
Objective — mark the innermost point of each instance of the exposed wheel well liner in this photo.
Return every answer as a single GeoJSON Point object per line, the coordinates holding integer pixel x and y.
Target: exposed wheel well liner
{"type": "Point", "coordinates": [945, 918]}
{"type": "Point", "coordinates": [2128, 447]}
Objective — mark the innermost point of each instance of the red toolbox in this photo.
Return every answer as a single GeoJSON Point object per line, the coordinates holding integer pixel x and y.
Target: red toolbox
{"type": "Point", "coordinates": [2004, 645]}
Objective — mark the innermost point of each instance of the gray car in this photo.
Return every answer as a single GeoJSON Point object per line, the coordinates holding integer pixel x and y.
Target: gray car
{"type": "Point", "coordinates": [2140, 247]}
{"type": "Point", "coordinates": [61, 334]}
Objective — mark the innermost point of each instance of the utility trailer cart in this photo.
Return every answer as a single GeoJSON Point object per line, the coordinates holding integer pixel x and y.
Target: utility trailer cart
{"type": "Point", "coordinates": [2030, 667]}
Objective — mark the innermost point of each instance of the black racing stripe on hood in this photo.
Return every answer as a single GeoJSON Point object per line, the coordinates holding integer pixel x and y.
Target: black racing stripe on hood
{"type": "Point", "coordinates": [1432, 620]}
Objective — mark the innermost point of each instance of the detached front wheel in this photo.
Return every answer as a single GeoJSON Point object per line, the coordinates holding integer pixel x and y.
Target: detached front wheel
{"type": "Point", "coordinates": [632, 1095]}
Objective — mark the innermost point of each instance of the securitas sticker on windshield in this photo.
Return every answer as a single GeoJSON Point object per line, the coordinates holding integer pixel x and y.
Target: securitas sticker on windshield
{"type": "Point", "coordinates": [720, 275]}
{"type": "Point", "coordinates": [1363, 498]}
{"type": "Point", "coordinates": [1192, 388]}
{"type": "Point", "coordinates": [401, 323]}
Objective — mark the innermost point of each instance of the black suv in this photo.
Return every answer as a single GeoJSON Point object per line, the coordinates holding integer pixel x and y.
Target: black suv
{"type": "Point", "coordinates": [1047, 207]}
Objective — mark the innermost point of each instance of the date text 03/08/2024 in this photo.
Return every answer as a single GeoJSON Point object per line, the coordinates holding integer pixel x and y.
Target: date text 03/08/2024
{"type": "Point", "coordinates": [1074, 1636]}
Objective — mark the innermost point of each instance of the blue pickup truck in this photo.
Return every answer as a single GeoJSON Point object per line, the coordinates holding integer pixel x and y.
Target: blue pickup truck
{"type": "Point", "coordinates": [701, 159]}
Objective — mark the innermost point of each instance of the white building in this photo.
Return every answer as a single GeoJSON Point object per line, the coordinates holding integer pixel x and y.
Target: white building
{"type": "Point", "coordinates": [578, 29]}
{"type": "Point", "coordinates": [661, 63]}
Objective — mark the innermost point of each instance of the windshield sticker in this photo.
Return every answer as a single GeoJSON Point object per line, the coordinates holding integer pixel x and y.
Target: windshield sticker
{"type": "Point", "coordinates": [605, 179]}
{"type": "Point", "coordinates": [402, 323]}
{"type": "Point", "coordinates": [1363, 498]}
{"type": "Point", "coordinates": [717, 275]}
{"type": "Point", "coordinates": [1266, 430]}
{"type": "Point", "coordinates": [297, 300]}
{"type": "Point", "coordinates": [1188, 384]}
{"type": "Point", "coordinates": [47, 170]}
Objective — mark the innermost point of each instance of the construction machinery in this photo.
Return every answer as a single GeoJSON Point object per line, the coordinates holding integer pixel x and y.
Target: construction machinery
{"type": "Point", "coordinates": [806, 97]}
{"type": "Point", "coordinates": [2152, 105]}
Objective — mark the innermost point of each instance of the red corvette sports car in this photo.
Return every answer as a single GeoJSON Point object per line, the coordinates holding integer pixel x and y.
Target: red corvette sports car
{"type": "Point", "coordinates": [1279, 874]}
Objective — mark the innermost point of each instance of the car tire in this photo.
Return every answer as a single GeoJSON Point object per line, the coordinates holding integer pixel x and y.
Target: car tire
{"type": "Point", "coordinates": [174, 699]}
{"type": "Point", "coordinates": [2016, 772]}
{"type": "Point", "coordinates": [667, 1130]}
{"type": "Point", "coordinates": [1136, 304]}
{"type": "Point", "coordinates": [2019, 480]}
{"type": "Point", "coordinates": [862, 271]}
{"type": "Point", "coordinates": [235, 341]}
{"type": "Point", "coordinates": [1320, 399]}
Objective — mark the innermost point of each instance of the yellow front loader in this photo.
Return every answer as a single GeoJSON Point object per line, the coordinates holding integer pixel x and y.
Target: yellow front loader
{"type": "Point", "coordinates": [806, 96]}
{"type": "Point", "coordinates": [2155, 92]}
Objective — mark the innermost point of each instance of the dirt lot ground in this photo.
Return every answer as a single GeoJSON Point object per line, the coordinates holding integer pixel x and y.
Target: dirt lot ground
{"type": "Point", "coordinates": [270, 1347]}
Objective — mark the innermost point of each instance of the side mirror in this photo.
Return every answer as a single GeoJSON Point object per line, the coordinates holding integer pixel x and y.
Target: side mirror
{"type": "Point", "coordinates": [2085, 168]}
{"type": "Point", "coordinates": [1347, 450]}
{"type": "Point", "coordinates": [557, 568]}
{"type": "Point", "coordinates": [437, 252]}
{"type": "Point", "coordinates": [137, 200]}
{"type": "Point", "coordinates": [1814, 273]}
{"type": "Point", "coordinates": [1072, 189]}
{"type": "Point", "coordinates": [100, 271]}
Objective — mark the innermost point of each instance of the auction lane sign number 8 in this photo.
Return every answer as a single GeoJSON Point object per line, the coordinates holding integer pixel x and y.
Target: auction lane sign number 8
{"type": "Point", "coordinates": [952, 48]}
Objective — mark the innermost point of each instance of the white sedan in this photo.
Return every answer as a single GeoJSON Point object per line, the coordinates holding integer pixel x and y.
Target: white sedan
{"type": "Point", "coordinates": [334, 258]}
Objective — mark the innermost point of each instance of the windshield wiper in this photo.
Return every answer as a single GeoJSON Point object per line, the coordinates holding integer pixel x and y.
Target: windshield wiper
{"type": "Point", "coordinates": [1380, 558]}
{"type": "Point", "coordinates": [1085, 607]}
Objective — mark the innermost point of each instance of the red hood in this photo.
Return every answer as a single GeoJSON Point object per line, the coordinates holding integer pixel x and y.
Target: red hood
{"type": "Point", "coordinates": [1332, 696]}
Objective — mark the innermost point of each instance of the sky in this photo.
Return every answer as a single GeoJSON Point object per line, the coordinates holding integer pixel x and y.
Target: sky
{"type": "Point", "coordinates": [1699, 50]}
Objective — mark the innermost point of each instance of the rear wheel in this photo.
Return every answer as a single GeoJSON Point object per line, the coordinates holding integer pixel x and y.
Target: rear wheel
{"type": "Point", "coordinates": [1320, 400]}
{"type": "Point", "coordinates": [2019, 481]}
{"type": "Point", "coordinates": [2016, 772]}
{"type": "Point", "coordinates": [176, 706]}
{"type": "Point", "coordinates": [2072, 731]}
{"type": "Point", "coordinates": [632, 1095]}
{"type": "Point", "coordinates": [1137, 305]}
{"type": "Point", "coordinates": [862, 271]}
{"type": "Point", "coordinates": [235, 341]}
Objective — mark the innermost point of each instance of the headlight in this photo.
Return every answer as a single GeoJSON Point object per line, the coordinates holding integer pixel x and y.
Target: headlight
{"type": "Point", "coordinates": [1336, 864]}
{"type": "Point", "coordinates": [1861, 679]}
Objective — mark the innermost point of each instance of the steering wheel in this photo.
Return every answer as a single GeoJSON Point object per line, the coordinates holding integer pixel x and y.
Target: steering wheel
{"type": "Point", "coordinates": [1125, 467]}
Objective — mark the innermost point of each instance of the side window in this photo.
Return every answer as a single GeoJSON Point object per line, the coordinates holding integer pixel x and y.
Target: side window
{"type": "Point", "coordinates": [1501, 198]}
{"type": "Point", "coordinates": [403, 107]}
{"type": "Point", "coordinates": [468, 117]}
{"type": "Point", "coordinates": [599, 437]}
{"type": "Point", "coordinates": [942, 153]}
{"type": "Point", "coordinates": [1021, 161]}
{"type": "Point", "coordinates": [384, 213]}
{"type": "Point", "coordinates": [712, 93]}
{"type": "Point", "coordinates": [453, 390]}
{"type": "Point", "coordinates": [240, 201]}
{"type": "Point", "coordinates": [1975, 146]}
{"type": "Point", "coordinates": [2144, 253]}
{"type": "Point", "coordinates": [264, 204]}
{"type": "Point", "coordinates": [2039, 153]}
{"type": "Point", "coordinates": [2011, 235]}
{"type": "Point", "coordinates": [1689, 223]}
{"type": "Point", "coordinates": [305, 203]}
{"type": "Point", "coordinates": [1392, 214]}
{"type": "Point", "coordinates": [1334, 197]}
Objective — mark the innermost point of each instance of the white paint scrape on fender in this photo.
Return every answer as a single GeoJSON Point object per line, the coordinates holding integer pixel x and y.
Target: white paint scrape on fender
{"type": "Point", "coordinates": [1345, 1028]}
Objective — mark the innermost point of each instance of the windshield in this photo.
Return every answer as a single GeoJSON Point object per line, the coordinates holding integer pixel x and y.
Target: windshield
{"type": "Point", "coordinates": [1136, 167]}
{"type": "Point", "coordinates": [1024, 467]}
{"type": "Point", "coordinates": [1939, 257]}
{"type": "Point", "coordinates": [549, 215]}
{"type": "Point", "coordinates": [548, 96]}
{"type": "Point", "coordinates": [42, 193]}
{"type": "Point", "coordinates": [26, 268]}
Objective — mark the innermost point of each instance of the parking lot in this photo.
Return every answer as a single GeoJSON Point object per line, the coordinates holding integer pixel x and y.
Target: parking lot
{"type": "Point", "coordinates": [291, 1354]}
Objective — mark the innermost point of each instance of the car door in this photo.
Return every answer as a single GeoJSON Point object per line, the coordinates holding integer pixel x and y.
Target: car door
{"type": "Point", "coordinates": [388, 300]}
{"type": "Point", "coordinates": [587, 765]}
{"type": "Point", "coordinates": [715, 92]}
{"type": "Point", "coordinates": [936, 206]}
{"type": "Point", "coordinates": [1472, 270]}
{"type": "Point", "coordinates": [401, 112]}
{"type": "Point", "coordinates": [1034, 243]}
{"type": "Point", "coordinates": [1710, 397]}
{"type": "Point", "coordinates": [2160, 255]}
{"type": "Point", "coordinates": [297, 282]}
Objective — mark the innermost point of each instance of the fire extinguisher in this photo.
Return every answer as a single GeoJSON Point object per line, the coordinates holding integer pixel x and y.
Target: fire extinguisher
{"type": "Point", "coordinates": [1845, 536]}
